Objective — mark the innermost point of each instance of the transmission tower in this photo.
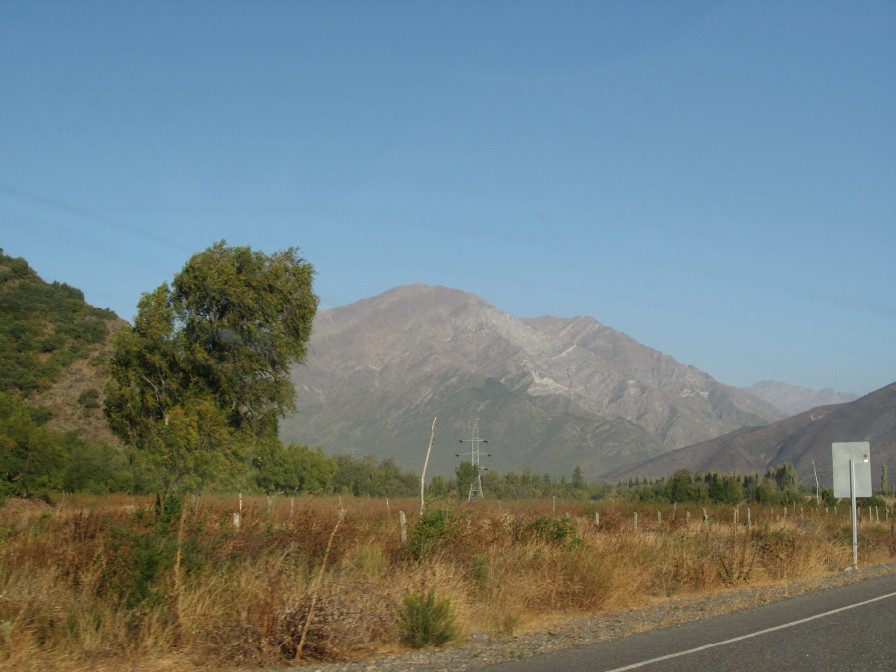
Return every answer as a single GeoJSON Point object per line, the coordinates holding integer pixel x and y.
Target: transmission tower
{"type": "Point", "coordinates": [474, 441]}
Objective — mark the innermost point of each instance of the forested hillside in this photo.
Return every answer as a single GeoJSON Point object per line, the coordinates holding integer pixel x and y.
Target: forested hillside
{"type": "Point", "coordinates": [45, 327]}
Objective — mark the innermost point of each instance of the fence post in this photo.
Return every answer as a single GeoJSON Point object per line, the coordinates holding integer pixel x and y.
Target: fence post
{"type": "Point", "coordinates": [705, 517]}
{"type": "Point", "coordinates": [238, 515]}
{"type": "Point", "coordinates": [403, 527]}
{"type": "Point", "coordinates": [636, 521]}
{"type": "Point", "coordinates": [659, 517]}
{"type": "Point", "coordinates": [749, 519]}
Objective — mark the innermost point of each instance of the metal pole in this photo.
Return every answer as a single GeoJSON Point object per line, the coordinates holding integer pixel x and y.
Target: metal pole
{"type": "Point", "coordinates": [852, 500]}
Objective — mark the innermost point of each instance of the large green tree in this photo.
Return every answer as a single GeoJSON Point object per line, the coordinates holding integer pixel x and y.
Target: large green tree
{"type": "Point", "coordinates": [203, 374]}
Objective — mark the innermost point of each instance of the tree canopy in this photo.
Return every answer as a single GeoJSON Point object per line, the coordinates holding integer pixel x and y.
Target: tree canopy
{"type": "Point", "coordinates": [204, 371]}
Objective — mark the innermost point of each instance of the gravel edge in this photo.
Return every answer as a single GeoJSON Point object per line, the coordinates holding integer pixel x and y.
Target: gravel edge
{"type": "Point", "coordinates": [481, 651]}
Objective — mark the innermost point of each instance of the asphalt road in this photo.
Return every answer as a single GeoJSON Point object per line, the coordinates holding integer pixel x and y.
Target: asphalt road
{"type": "Point", "coordinates": [847, 629]}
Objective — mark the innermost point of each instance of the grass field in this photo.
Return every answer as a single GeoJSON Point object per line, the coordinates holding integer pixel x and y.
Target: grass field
{"type": "Point", "coordinates": [110, 583]}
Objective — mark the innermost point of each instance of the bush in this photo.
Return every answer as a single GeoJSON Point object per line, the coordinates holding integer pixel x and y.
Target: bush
{"type": "Point", "coordinates": [425, 620]}
{"type": "Point", "coordinates": [434, 527]}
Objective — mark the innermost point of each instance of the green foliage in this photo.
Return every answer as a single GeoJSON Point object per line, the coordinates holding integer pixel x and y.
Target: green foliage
{"type": "Point", "coordinates": [141, 559]}
{"type": "Point", "coordinates": [35, 461]}
{"type": "Point", "coordinates": [768, 492]}
{"type": "Point", "coordinates": [204, 372]}
{"type": "Point", "coordinates": [425, 620]}
{"type": "Point", "coordinates": [785, 477]}
{"type": "Point", "coordinates": [467, 473]}
{"type": "Point", "coordinates": [547, 530]}
{"type": "Point", "coordinates": [294, 468]}
{"type": "Point", "coordinates": [366, 477]}
{"type": "Point", "coordinates": [438, 488]}
{"type": "Point", "coordinates": [685, 487]}
{"type": "Point", "coordinates": [31, 456]}
{"type": "Point", "coordinates": [44, 328]}
{"type": "Point", "coordinates": [434, 528]}
{"type": "Point", "coordinates": [95, 468]}
{"type": "Point", "coordinates": [726, 489]}
{"type": "Point", "coordinates": [89, 398]}
{"type": "Point", "coordinates": [682, 487]}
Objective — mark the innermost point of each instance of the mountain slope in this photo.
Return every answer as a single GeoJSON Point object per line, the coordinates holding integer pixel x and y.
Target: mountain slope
{"type": "Point", "coordinates": [802, 440]}
{"type": "Point", "coordinates": [54, 348]}
{"type": "Point", "coordinates": [550, 393]}
{"type": "Point", "coordinates": [791, 400]}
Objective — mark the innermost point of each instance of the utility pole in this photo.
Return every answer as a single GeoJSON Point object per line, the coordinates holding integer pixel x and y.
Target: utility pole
{"type": "Point", "coordinates": [474, 441]}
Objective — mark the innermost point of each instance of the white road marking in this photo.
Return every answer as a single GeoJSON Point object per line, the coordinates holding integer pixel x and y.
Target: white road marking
{"type": "Point", "coordinates": [678, 654]}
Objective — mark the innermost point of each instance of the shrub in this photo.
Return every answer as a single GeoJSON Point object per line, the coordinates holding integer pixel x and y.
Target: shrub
{"type": "Point", "coordinates": [434, 527]}
{"type": "Point", "coordinates": [424, 620]}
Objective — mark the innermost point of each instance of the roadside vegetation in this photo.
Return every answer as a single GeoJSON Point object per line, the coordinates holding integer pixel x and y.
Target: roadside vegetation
{"type": "Point", "coordinates": [119, 582]}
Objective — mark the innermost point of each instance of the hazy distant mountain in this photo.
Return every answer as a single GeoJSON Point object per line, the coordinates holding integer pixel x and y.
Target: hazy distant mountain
{"type": "Point", "coordinates": [800, 440]}
{"type": "Point", "coordinates": [550, 393]}
{"type": "Point", "coordinates": [791, 400]}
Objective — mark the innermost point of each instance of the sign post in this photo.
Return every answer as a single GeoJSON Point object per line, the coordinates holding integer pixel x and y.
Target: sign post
{"type": "Point", "coordinates": [852, 478]}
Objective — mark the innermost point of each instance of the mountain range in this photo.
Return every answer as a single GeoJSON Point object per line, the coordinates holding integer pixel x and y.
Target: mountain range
{"type": "Point", "coordinates": [549, 393]}
{"type": "Point", "coordinates": [791, 400]}
{"type": "Point", "coordinates": [803, 440]}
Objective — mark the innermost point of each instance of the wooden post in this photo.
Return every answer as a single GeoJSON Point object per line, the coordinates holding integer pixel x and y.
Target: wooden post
{"type": "Point", "coordinates": [687, 517]}
{"type": "Point", "coordinates": [597, 519]}
{"type": "Point", "coordinates": [635, 527]}
{"type": "Point", "coordinates": [238, 516]}
{"type": "Point", "coordinates": [432, 438]}
{"type": "Point", "coordinates": [749, 519]}
{"type": "Point", "coordinates": [403, 527]}
{"type": "Point", "coordinates": [659, 517]}
{"type": "Point", "coordinates": [705, 517]}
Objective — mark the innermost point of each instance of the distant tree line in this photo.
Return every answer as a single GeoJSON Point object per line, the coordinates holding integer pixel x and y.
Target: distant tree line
{"type": "Point", "coordinates": [777, 486]}
{"type": "Point", "coordinates": [35, 461]}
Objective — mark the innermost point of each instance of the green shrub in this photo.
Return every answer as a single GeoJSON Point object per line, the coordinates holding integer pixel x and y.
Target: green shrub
{"type": "Point", "coordinates": [425, 620]}
{"type": "Point", "coordinates": [431, 530]}
{"type": "Point", "coordinates": [547, 529]}
{"type": "Point", "coordinates": [90, 398]}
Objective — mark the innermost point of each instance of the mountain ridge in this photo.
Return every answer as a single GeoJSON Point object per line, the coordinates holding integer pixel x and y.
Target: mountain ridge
{"type": "Point", "coordinates": [793, 399]}
{"type": "Point", "coordinates": [556, 392]}
{"type": "Point", "coordinates": [803, 440]}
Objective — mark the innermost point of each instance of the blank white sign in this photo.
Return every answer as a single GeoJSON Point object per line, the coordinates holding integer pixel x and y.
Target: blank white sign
{"type": "Point", "coordinates": [860, 454]}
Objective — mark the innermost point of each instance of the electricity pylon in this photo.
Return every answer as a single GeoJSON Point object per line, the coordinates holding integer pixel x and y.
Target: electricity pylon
{"type": "Point", "coordinates": [474, 441]}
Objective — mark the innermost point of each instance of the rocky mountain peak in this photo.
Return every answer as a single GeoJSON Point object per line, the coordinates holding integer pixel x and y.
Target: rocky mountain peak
{"type": "Point", "coordinates": [565, 392]}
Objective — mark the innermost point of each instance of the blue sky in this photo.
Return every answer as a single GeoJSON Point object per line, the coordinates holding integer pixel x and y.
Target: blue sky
{"type": "Point", "coordinates": [715, 179]}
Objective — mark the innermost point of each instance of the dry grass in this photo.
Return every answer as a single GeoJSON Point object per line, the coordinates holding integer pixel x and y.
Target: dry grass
{"type": "Point", "coordinates": [95, 584]}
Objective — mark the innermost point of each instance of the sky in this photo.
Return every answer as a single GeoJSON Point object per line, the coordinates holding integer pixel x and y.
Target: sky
{"type": "Point", "coordinates": [715, 179]}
